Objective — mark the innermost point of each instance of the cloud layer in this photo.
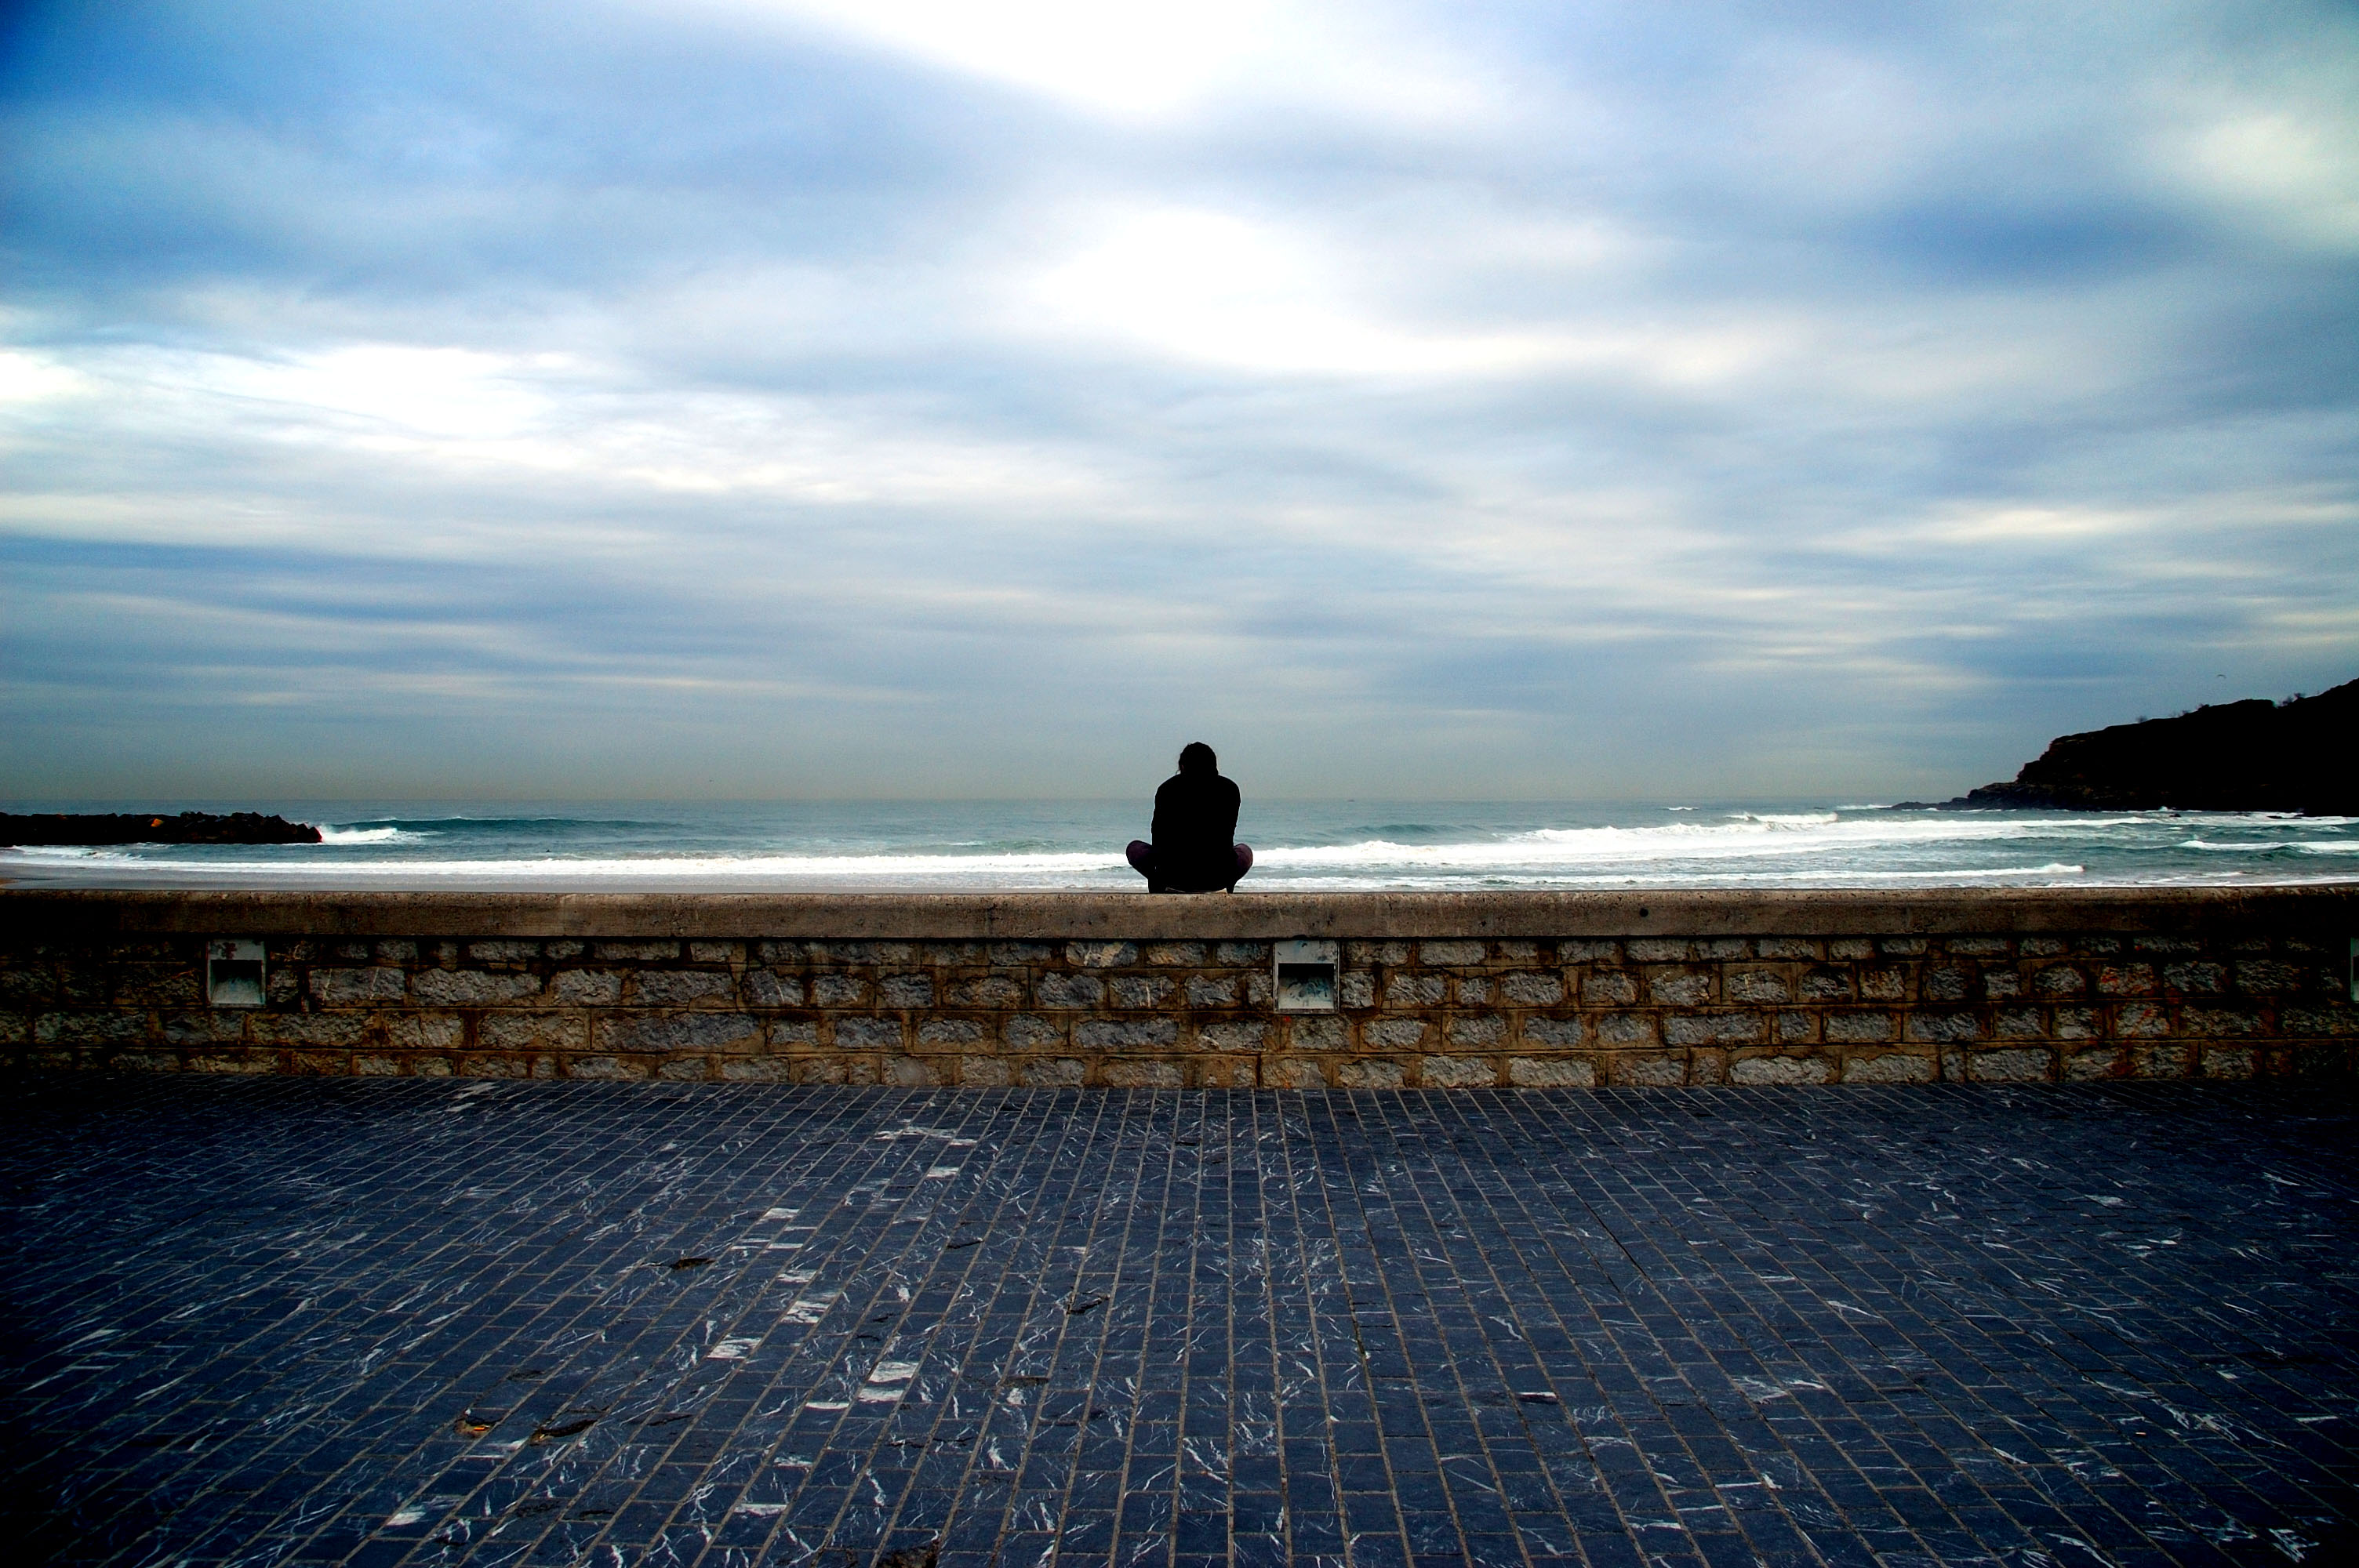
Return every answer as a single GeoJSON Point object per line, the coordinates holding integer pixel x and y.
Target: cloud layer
{"type": "Point", "coordinates": [758, 397]}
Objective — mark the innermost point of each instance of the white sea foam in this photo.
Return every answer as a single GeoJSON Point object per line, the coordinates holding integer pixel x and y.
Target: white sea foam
{"type": "Point", "coordinates": [329, 834]}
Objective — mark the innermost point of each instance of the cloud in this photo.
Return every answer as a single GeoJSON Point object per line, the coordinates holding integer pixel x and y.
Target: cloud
{"type": "Point", "coordinates": [792, 397]}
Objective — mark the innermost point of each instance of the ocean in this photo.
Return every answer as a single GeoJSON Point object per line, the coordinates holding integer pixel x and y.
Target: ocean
{"type": "Point", "coordinates": [1298, 845]}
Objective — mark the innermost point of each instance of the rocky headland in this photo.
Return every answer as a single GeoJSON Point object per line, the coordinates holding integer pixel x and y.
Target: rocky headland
{"type": "Point", "coordinates": [2297, 755]}
{"type": "Point", "coordinates": [140, 827]}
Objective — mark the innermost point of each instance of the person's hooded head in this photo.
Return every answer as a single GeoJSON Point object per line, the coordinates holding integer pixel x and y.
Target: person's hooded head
{"type": "Point", "coordinates": [1196, 757]}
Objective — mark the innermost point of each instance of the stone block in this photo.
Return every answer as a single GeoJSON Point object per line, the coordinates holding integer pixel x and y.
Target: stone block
{"type": "Point", "coordinates": [1716, 1029]}
{"type": "Point", "coordinates": [1021, 954]}
{"type": "Point", "coordinates": [2059, 981]}
{"type": "Point", "coordinates": [1758, 986]}
{"type": "Point", "coordinates": [1883, 985]}
{"type": "Point", "coordinates": [1790, 949]}
{"type": "Point", "coordinates": [1393, 1033]}
{"type": "Point", "coordinates": [935, 1033]}
{"type": "Point", "coordinates": [1942, 1028]}
{"type": "Point", "coordinates": [2141, 1020]}
{"type": "Point", "coordinates": [1101, 955]}
{"type": "Point", "coordinates": [1316, 1033]}
{"type": "Point", "coordinates": [1246, 955]}
{"type": "Point", "coordinates": [1588, 951]}
{"type": "Point", "coordinates": [372, 1065]}
{"type": "Point", "coordinates": [2019, 1023]}
{"type": "Point", "coordinates": [534, 1031]}
{"type": "Point", "coordinates": [889, 955]}
{"type": "Point", "coordinates": [1369, 1072]}
{"type": "Point", "coordinates": [911, 1071]}
{"type": "Point", "coordinates": [2126, 979]}
{"type": "Point", "coordinates": [1860, 1028]}
{"type": "Point", "coordinates": [1058, 1072]}
{"type": "Point", "coordinates": [906, 990]}
{"type": "Point", "coordinates": [1647, 1069]}
{"type": "Point", "coordinates": [716, 953]}
{"type": "Point", "coordinates": [1125, 1033]}
{"type": "Point", "coordinates": [586, 988]}
{"type": "Point", "coordinates": [2166, 945]}
{"type": "Point", "coordinates": [637, 952]}
{"type": "Point", "coordinates": [2093, 1063]}
{"type": "Point", "coordinates": [1412, 990]}
{"type": "Point", "coordinates": [682, 988]}
{"type": "Point", "coordinates": [869, 1033]}
{"type": "Point", "coordinates": [1947, 983]}
{"type": "Point", "coordinates": [486, 1065]}
{"type": "Point", "coordinates": [1138, 992]}
{"type": "Point", "coordinates": [1452, 954]}
{"type": "Point", "coordinates": [985, 1072]}
{"type": "Point", "coordinates": [684, 1069]}
{"type": "Point", "coordinates": [2040, 947]}
{"type": "Point", "coordinates": [1233, 1035]}
{"type": "Point", "coordinates": [1677, 988]}
{"type": "Point", "coordinates": [1552, 1072]}
{"type": "Point", "coordinates": [767, 987]}
{"type": "Point", "coordinates": [2226, 1061]}
{"type": "Point", "coordinates": [1293, 1073]}
{"type": "Point", "coordinates": [357, 988]}
{"type": "Point", "coordinates": [955, 955]}
{"type": "Point", "coordinates": [2160, 1061]}
{"type": "Point", "coordinates": [1780, 1070]}
{"type": "Point", "coordinates": [108, 1028]}
{"type": "Point", "coordinates": [1624, 1029]}
{"type": "Point", "coordinates": [676, 1031]}
{"type": "Point", "coordinates": [424, 1030]}
{"type": "Point", "coordinates": [1357, 990]}
{"type": "Point", "coordinates": [1030, 1032]}
{"type": "Point", "coordinates": [502, 951]}
{"type": "Point", "coordinates": [158, 985]}
{"type": "Point", "coordinates": [1725, 949]}
{"type": "Point", "coordinates": [2266, 977]}
{"type": "Point", "coordinates": [2002, 985]}
{"type": "Point", "coordinates": [1974, 946]}
{"type": "Point", "coordinates": [1474, 990]}
{"type": "Point", "coordinates": [1892, 1068]}
{"type": "Point", "coordinates": [206, 1027]}
{"type": "Point", "coordinates": [1850, 949]}
{"type": "Point", "coordinates": [987, 991]}
{"type": "Point", "coordinates": [1375, 952]}
{"type": "Point", "coordinates": [1660, 950]}
{"type": "Point", "coordinates": [344, 1030]}
{"type": "Point", "coordinates": [1069, 991]}
{"type": "Point", "coordinates": [1532, 987]}
{"type": "Point", "coordinates": [1147, 1075]}
{"type": "Point", "coordinates": [1610, 987]}
{"type": "Point", "coordinates": [2075, 1023]}
{"type": "Point", "coordinates": [395, 950]}
{"type": "Point", "coordinates": [472, 988]}
{"type": "Point", "coordinates": [2020, 1065]}
{"type": "Point", "coordinates": [1174, 955]}
{"type": "Point", "coordinates": [1458, 1073]}
{"type": "Point", "coordinates": [1225, 1072]}
{"type": "Point", "coordinates": [232, 1059]}
{"type": "Point", "coordinates": [1796, 1026]}
{"type": "Point", "coordinates": [1901, 947]}
{"type": "Point", "coordinates": [1827, 984]}
{"type": "Point", "coordinates": [754, 1069]}
{"type": "Point", "coordinates": [1208, 990]}
{"type": "Point", "coordinates": [1555, 1032]}
{"type": "Point", "coordinates": [1477, 1029]}
{"type": "Point", "coordinates": [2336, 1020]}
{"type": "Point", "coordinates": [319, 1064]}
{"type": "Point", "coordinates": [786, 1033]}
{"type": "Point", "coordinates": [2101, 947]}
{"type": "Point", "coordinates": [2219, 1020]}
{"type": "Point", "coordinates": [840, 990]}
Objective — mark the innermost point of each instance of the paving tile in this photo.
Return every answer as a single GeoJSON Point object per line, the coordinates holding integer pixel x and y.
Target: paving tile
{"type": "Point", "coordinates": [387, 1323]}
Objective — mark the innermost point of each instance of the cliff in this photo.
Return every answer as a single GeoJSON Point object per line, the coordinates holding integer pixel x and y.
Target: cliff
{"type": "Point", "coordinates": [2238, 756]}
{"type": "Point", "coordinates": [139, 827]}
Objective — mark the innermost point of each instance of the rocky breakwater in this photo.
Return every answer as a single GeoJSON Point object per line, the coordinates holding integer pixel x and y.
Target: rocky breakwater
{"type": "Point", "coordinates": [2297, 755]}
{"type": "Point", "coordinates": [143, 828]}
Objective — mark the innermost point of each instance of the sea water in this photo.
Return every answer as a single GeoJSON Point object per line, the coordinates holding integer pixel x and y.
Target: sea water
{"type": "Point", "coordinates": [1298, 845]}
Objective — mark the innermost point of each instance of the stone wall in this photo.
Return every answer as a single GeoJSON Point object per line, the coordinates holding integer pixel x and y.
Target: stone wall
{"type": "Point", "coordinates": [1435, 991]}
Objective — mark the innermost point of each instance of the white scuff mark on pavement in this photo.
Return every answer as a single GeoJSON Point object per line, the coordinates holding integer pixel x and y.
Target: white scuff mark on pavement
{"type": "Point", "coordinates": [827, 1404]}
{"type": "Point", "coordinates": [400, 1517]}
{"type": "Point", "coordinates": [733, 1349]}
{"type": "Point", "coordinates": [936, 1173]}
{"type": "Point", "coordinates": [780, 1213]}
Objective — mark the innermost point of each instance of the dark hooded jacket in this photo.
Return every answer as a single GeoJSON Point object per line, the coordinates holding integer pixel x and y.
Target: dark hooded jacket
{"type": "Point", "coordinates": [1196, 831]}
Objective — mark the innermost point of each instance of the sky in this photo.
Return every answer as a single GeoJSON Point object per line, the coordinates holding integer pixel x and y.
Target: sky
{"type": "Point", "coordinates": [844, 398]}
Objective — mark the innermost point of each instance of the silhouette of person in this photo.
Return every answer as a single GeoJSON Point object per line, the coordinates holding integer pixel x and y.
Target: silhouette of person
{"type": "Point", "coordinates": [1195, 828]}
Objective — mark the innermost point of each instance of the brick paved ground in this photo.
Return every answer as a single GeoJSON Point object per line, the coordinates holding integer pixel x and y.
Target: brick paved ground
{"type": "Point", "coordinates": [419, 1322]}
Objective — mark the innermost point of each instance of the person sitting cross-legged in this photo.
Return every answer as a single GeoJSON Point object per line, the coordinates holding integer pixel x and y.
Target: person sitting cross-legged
{"type": "Point", "coordinates": [1195, 828]}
